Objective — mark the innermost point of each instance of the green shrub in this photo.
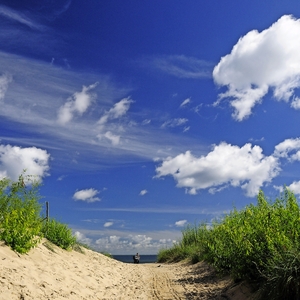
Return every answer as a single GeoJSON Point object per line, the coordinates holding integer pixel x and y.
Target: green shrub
{"type": "Point", "coordinates": [259, 243]}
{"type": "Point", "coordinates": [59, 234]}
{"type": "Point", "coordinates": [174, 254]}
{"type": "Point", "coordinates": [107, 254]}
{"type": "Point", "coordinates": [20, 222]}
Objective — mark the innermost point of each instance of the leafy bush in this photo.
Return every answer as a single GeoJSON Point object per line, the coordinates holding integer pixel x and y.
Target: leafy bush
{"type": "Point", "coordinates": [20, 222]}
{"type": "Point", "coordinates": [59, 234]}
{"type": "Point", "coordinates": [21, 226]}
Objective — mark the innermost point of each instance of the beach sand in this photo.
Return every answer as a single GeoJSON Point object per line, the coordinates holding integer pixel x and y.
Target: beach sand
{"type": "Point", "coordinates": [46, 273]}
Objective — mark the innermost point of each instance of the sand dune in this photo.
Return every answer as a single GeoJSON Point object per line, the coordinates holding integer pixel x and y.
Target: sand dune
{"type": "Point", "coordinates": [58, 274]}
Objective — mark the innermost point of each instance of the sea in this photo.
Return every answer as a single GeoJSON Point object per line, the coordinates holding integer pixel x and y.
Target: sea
{"type": "Point", "coordinates": [144, 259]}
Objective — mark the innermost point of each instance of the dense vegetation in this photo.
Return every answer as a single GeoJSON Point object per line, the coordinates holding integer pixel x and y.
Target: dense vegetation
{"type": "Point", "coordinates": [259, 244]}
{"type": "Point", "coordinates": [21, 224]}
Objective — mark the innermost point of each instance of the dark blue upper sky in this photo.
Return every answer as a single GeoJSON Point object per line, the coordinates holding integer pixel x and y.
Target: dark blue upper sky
{"type": "Point", "coordinates": [141, 117]}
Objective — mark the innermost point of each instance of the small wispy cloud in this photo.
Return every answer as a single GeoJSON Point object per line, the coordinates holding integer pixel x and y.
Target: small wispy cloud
{"type": "Point", "coordinates": [182, 66]}
{"type": "Point", "coordinates": [108, 224]}
{"type": "Point", "coordinates": [19, 17]}
{"type": "Point", "coordinates": [146, 122]}
{"type": "Point", "coordinates": [143, 192]}
{"type": "Point", "coordinates": [113, 138]}
{"type": "Point", "coordinates": [5, 79]}
{"type": "Point", "coordinates": [187, 128]}
{"type": "Point", "coordinates": [180, 223]}
{"type": "Point", "coordinates": [62, 177]}
{"type": "Point", "coordinates": [185, 102]}
{"type": "Point", "coordinates": [174, 122]}
{"type": "Point", "coordinates": [118, 110]}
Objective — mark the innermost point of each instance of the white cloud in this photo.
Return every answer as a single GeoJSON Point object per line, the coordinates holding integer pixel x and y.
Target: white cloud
{"type": "Point", "coordinates": [109, 136]}
{"type": "Point", "coordinates": [289, 148]}
{"type": "Point", "coordinates": [182, 66]}
{"type": "Point", "coordinates": [78, 103]}
{"type": "Point", "coordinates": [122, 242]}
{"type": "Point", "coordinates": [146, 122]}
{"type": "Point", "coordinates": [108, 224]}
{"type": "Point", "coordinates": [117, 111]}
{"type": "Point", "coordinates": [185, 102]}
{"type": "Point", "coordinates": [143, 192]}
{"type": "Point", "coordinates": [295, 187]}
{"type": "Point", "coordinates": [131, 243]}
{"type": "Point", "coordinates": [87, 195]}
{"type": "Point", "coordinates": [33, 103]}
{"type": "Point", "coordinates": [259, 62]}
{"type": "Point", "coordinates": [245, 167]}
{"type": "Point", "coordinates": [295, 103]}
{"type": "Point", "coordinates": [82, 238]}
{"type": "Point", "coordinates": [14, 159]}
{"type": "Point", "coordinates": [115, 139]}
{"type": "Point", "coordinates": [19, 17]}
{"type": "Point", "coordinates": [5, 79]}
{"type": "Point", "coordinates": [181, 223]}
{"type": "Point", "coordinates": [217, 190]}
{"type": "Point", "coordinates": [278, 188]}
{"type": "Point", "coordinates": [174, 122]}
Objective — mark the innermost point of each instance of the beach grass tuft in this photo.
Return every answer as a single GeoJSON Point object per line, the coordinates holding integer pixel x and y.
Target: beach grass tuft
{"type": "Point", "coordinates": [259, 243]}
{"type": "Point", "coordinates": [21, 224]}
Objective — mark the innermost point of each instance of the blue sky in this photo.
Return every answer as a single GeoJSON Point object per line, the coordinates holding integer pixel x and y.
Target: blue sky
{"type": "Point", "coordinates": [140, 117]}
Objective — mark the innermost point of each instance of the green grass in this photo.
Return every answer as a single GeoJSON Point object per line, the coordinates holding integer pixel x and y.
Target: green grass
{"type": "Point", "coordinates": [59, 234]}
{"type": "Point", "coordinates": [259, 243]}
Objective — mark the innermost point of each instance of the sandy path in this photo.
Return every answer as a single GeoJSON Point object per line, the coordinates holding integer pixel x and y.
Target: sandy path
{"type": "Point", "coordinates": [58, 274]}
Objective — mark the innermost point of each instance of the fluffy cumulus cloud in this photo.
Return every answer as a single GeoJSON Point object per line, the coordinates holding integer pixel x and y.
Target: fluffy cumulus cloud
{"type": "Point", "coordinates": [259, 62]}
{"type": "Point", "coordinates": [180, 223]}
{"type": "Point", "coordinates": [289, 148]}
{"type": "Point", "coordinates": [78, 103]}
{"type": "Point", "coordinates": [87, 195]}
{"type": "Point", "coordinates": [82, 238]}
{"type": "Point", "coordinates": [295, 187]}
{"type": "Point", "coordinates": [14, 159]}
{"type": "Point", "coordinates": [225, 165]}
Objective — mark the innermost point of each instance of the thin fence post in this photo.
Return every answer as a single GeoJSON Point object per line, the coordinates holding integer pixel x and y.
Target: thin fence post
{"type": "Point", "coordinates": [47, 216]}
{"type": "Point", "coordinates": [47, 211]}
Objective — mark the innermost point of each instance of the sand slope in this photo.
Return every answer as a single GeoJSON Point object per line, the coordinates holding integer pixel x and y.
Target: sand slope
{"type": "Point", "coordinates": [44, 274]}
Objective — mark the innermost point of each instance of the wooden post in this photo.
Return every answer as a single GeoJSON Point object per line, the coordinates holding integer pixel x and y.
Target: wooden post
{"type": "Point", "coordinates": [47, 210]}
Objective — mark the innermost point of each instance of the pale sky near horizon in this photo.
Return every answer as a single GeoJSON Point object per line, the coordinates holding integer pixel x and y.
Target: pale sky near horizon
{"type": "Point", "coordinates": [141, 117]}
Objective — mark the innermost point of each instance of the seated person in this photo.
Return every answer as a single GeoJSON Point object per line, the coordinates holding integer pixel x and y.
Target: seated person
{"type": "Point", "coordinates": [136, 258]}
